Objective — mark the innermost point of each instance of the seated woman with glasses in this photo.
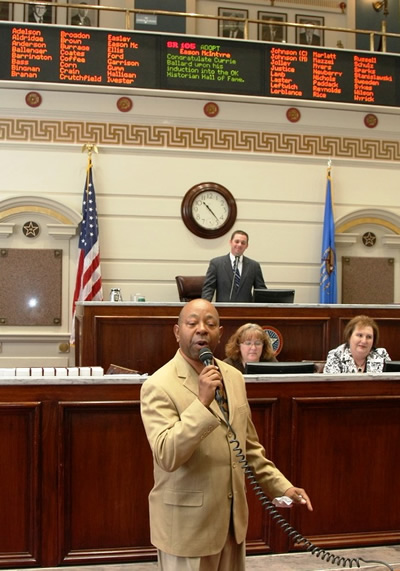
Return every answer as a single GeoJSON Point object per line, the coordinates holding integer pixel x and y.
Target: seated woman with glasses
{"type": "Point", "coordinates": [249, 344]}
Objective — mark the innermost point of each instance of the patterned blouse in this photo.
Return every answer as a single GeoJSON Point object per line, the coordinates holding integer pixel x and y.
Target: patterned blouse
{"type": "Point", "coordinates": [340, 360]}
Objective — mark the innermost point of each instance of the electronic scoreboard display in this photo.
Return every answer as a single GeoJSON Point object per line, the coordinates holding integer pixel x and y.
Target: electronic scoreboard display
{"type": "Point", "coordinates": [91, 56]}
{"type": "Point", "coordinates": [211, 65]}
{"type": "Point", "coordinates": [332, 75]}
{"type": "Point", "coordinates": [78, 55]}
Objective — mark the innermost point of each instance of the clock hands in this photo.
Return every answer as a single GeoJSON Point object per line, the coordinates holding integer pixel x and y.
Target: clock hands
{"type": "Point", "coordinates": [206, 205]}
{"type": "Point", "coordinates": [208, 210]}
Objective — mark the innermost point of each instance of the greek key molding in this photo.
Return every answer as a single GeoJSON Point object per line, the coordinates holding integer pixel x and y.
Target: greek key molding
{"type": "Point", "coordinates": [196, 138]}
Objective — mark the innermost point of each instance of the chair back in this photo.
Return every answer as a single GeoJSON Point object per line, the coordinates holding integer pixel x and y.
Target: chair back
{"type": "Point", "coordinates": [318, 365]}
{"type": "Point", "coordinates": [189, 287]}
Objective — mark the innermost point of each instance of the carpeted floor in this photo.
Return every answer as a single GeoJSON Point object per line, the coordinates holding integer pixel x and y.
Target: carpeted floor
{"type": "Point", "coordinates": [346, 559]}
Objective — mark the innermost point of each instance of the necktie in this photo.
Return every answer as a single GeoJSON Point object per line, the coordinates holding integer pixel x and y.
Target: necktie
{"type": "Point", "coordinates": [237, 274]}
{"type": "Point", "coordinates": [223, 401]}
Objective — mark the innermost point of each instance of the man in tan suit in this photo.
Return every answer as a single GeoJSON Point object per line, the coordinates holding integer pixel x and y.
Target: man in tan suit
{"type": "Point", "coordinates": [198, 507]}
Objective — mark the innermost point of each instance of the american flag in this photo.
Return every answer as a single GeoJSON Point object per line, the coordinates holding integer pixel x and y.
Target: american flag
{"type": "Point", "coordinates": [88, 277]}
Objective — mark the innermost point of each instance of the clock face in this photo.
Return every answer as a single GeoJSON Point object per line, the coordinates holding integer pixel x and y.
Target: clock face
{"type": "Point", "coordinates": [208, 210]}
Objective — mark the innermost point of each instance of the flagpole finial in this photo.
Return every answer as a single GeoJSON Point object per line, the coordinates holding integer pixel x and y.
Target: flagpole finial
{"type": "Point", "coordinates": [89, 148]}
{"type": "Point", "coordinates": [329, 163]}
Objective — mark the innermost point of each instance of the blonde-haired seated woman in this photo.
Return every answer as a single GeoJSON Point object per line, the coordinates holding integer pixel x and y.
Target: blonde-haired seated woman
{"type": "Point", "coordinates": [249, 344]}
{"type": "Point", "coordinates": [359, 353]}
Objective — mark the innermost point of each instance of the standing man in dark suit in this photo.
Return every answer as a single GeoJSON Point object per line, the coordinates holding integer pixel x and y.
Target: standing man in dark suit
{"type": "Point", "coordinates": [221, 273]}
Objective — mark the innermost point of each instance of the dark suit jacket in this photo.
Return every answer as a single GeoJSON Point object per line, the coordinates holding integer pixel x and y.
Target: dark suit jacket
{"type": "Point", "coordinates": [76, 21]}
{"type": "Point", "coordinates": [267, 34]}
{"type": "Point", "coordinates": [219, 278]}
{"type": "Point", "coordinates": [315, 39]}
{"type": "Point", "coordinates": [239, 33]}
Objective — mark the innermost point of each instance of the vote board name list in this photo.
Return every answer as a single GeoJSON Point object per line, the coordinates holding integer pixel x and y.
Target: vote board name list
{"type": "Point", "coordinates": [367, 80]}
{"type": "Point", "coordinates": [74, 57]}
{"type": "Point", "coordinates": [327, 80]}
{"type": "Point", "coordinates": [282, 70]}
{"type": "Point", "coordinates": [119, 62]}
{"type": "Point", "coordinates": [70, 55]}
{"type": "Point", "coordinates": [28, 53]}
{"type": "Point", "coordinates": [330, 75]}
{"type": "Point", "coordinates": [218, 66]}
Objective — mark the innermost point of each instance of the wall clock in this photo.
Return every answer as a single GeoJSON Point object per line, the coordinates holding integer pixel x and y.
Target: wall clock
{"type": "Point", "coordinates": [208, 210]}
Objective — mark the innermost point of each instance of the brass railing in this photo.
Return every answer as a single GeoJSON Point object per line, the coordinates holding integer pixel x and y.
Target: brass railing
{"type": "Point", "coordinates": [130, 12]}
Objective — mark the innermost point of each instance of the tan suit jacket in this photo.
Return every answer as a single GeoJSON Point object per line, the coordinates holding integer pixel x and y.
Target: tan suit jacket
{"type": "Point", "coordinates": [198, 481]}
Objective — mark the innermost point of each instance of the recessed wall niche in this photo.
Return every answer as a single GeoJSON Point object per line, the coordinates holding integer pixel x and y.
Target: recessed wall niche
{"type": "Point", "coordinates": [376, 276]}
{"type": "Point", "coordinates": [30, 286]}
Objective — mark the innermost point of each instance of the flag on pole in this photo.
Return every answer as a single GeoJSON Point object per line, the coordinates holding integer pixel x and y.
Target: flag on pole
{"type": "Point", "coordinates": [88, 277]}
{"type": "Point", "coordinates": [327, 283]}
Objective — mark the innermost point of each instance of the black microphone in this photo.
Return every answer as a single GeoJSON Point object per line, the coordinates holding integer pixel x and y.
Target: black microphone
{"type": "Point", "coordinates": [206, 356]}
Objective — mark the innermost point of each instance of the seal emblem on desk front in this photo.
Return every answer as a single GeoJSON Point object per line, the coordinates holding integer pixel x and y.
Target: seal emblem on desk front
{"type": "Point", "coordinates": [276, 338]}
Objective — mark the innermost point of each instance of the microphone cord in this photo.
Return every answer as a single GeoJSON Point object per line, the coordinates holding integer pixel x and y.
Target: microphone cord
{"type": "Point", "coordinates": [294, 535]}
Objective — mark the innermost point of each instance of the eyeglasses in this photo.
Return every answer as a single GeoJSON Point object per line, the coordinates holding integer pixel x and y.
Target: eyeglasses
{"type": "Point", "coordinates": [250, 343]}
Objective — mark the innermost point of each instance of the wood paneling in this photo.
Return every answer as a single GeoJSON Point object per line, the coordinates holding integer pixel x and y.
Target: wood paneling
{"type": "Point", "coordinates": [19, 476]}
{"type": "Point", "coordinates": [259, 530]}
{"type": "Point", "coordinates": [344, 439]}
{"type": "Point", "coordinates": [134, 340]}
{"type": "Point", "coordinates": [77, 469]}
{"type": "Point", "coordinates": [107, 472]}
{"type": "Point", "coordinates": [140, 336]}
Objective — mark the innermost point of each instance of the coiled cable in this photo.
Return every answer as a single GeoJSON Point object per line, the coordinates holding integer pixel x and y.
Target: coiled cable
{"type": "Point", "coordinates": [294, 535]}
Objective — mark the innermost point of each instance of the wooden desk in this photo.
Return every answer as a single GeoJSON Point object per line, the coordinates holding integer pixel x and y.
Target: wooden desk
{"type": "Point", "coordinates": [140, 335]}
{"type": "Point", "coordinates": [76, 467]}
